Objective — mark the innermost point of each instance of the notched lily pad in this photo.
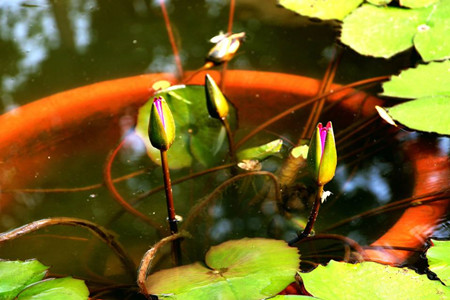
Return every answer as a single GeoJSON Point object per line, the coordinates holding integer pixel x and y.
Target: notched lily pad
{"type": "Point", "coordinates": [325, 10]}
{"type": "Point", "coordinates": [16, 275]}
{"type": "Point", "coordinates": [244, 269]}
{"type": "Point", "coordinates": [439, 260]}
{"type": "Point", "coordinates": [198, 138]}
{"type": "Point", "coordinates": [428, 114]}
{"type": "Point", "coordinates": [381, 31]}
{"type": "Point", "coordinates": [340, 280]}
{"type": "Point", "coordinates": [66, 288]}
{"type": "Point", "coordinates": [432, 79]}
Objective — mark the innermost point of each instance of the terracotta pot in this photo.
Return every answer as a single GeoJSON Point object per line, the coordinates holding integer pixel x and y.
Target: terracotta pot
{"type": "Point", "coordinates": [51, 128]}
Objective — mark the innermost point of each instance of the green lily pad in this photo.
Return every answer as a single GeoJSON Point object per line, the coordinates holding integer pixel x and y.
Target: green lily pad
{"type": "Point", "coordinates": [242, 269]}
{"type": "Point", "coordinates": [196, 132]}
{"type": "Point", "coordinates": [291, 297]}
{"type": "Point", "coordinates": [417, 3]}
{"type": "Point", "coordinates": [325, 10]}
{"type": "Point", "coordinates": [369, 280]}
{"type": "Point", "coordinates": [439, 260]}
{"type": "Point", "coordinates": [428, 114]}
{"type": "Point", "coordinates": [56, 289]}
{"type": "Point", "coordinates": [432, 40]}
{"type": "Point", "coordinates": [379, 2]}
{"type": "Point", "coordinates": [382, 31]}
{"type": "Point", "coordinates": [434, 79]}
{"type": "Point", "coordinates": [16, 275]}
{"type": "Point", "coordinates": [261, 152]}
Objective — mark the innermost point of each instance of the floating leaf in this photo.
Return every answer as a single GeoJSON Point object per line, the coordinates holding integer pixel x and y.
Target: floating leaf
{"type": "Point", "coordinates": [56, 289]}
{"type": "Point", "coordinates": [196, 133]}
{"type": "Point", "coordinates": [429, 114]}
{"type": "Point", "coordinates": [16, 275]}
{"type": "Point", "coordinates": [291, 297]}
{"type": "Point", "coordinates": [416, 3]}
{"type": "Point", "coordinates": [242, 269]}
{"type": "Point", "coordinates": [261, 152]}
{"type": "Point", "coordinates": [382, 31]}
{"type": "Point", "coordinates": [439, 260]}
{"type": "Point", "coordinates": [379, 2]}
{"type": "Point", "coordinates": [425, 80]}
{"type": "Point", "coordinates": [366, 280]}
{"type": "Point", "coordinates": [432, 40]}
{"type": "Point", "coordinates": [325, 10]}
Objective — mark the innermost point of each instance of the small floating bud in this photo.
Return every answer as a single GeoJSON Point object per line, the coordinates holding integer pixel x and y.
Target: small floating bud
{"type": "Point", "coordinates": [225, 48]}
{"type": "Point", "coordinates": [161, 127]}
{"type": "Point", "coordinates": [322, 156]}
{"type": "Point", "coordinates": [215, 101]}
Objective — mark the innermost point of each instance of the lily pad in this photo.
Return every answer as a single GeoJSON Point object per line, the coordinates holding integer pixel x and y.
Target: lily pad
{"type": "Point", "coordinates": [16, 275]}
{"type": "Point", "coordinates": [379, 2]}
{"type": "Point", "coordinates": [429, 114]}
{"type": "Point", "coordinates": [425, 80]}
{"type": "Point", "coordinates": [56, 289]}
{"type": "Point", "coordinates": [417, 3]}
{"type": "Point", "coordinates": [325, 10]}
{"type": "Point", "coordinates": [261, 152]}
{"type": "Point", "coordinates": [382, 31]}
{"type": "Point", "coordinates": [432, 40]}
{"type": "Point", "coordinates": [196, 132]}
{"type": "Point", "coordinates": [291, 297]}
{"type": "Point", "coordinates": [439, 260]}
{"type": "Point", "coordinates": [366, 280]}
{"type": "Point", "coordinates": [242, 269]}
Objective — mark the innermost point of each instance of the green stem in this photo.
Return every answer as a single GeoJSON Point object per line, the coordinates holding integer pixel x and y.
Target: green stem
{"type": "Point", "coordinates": [230, 139]}
{"type": "Point", "coordinates": [312, 217]}
{"type": "Point", "coordinates": [176, 248]}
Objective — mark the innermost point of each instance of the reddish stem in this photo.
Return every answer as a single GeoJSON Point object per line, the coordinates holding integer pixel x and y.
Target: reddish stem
{"type": "Point", "coordinates": [176, 54]}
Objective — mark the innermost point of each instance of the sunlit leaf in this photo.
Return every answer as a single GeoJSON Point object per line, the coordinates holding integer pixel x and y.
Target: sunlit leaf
{"type": "Point", "coordinates": [16, 275]}
{"type": "Point", "coordinates": [432, 40]}
{"type": "Point", "coordinates": [429, 114]}
{"type": "Point", "coordinates": [56, 289]}
{"type": "Point", "coordinates": [382, 31]}
{"type": "Point", "coordinates": [439, 260]}
{"type": "Point", "coordinates": [198, 138]}
{"type": "Point", "coordinates": [379, 2]}
{"type": "Point", "coordinates": [261, 152]}
{"type": "Point", "coordinates": [291, 297]}
{"type": "Point", "coordinates": [425, 80]}
{"type": "Point", "coordinates": [242, 269]}
{"type": "Point", "coordinates": [325, 10]}
{"type": "Point", "coordinates": [369, 280]}
{"type": "Point", "coordinates": [416, 3]}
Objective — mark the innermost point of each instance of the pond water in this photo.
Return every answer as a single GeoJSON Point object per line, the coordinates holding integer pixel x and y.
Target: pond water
{"type": "Point", "coordinates": [53, 46]}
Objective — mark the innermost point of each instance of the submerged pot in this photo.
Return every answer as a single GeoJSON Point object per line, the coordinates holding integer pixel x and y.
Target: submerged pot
{"type": "Point", "coordinates": [50, 129]}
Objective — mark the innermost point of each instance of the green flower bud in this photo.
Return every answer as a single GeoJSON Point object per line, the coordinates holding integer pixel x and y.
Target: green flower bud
{"type": "Point", "coordinates": [161, 128]}
{"type": "Point", "coordinates": [215, 101]}
{"type": "Point", "coordinates": [322, 156]}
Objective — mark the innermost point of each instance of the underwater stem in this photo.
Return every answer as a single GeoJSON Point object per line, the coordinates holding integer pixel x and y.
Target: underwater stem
{"type": "Point", "coordinates": [97, 230]}
{"type": "Point", "coordinates": [226, 124]}
{"type": "Point", "coordinates": [176, 247]}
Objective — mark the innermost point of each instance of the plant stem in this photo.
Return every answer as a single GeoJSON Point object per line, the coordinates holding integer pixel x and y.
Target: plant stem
{"type": "Point", "coordinates": [230, 139]}
{"type": "Point", "coordinates": [176, 247]}
{"type": "Point", "coordinates": [312, 217]}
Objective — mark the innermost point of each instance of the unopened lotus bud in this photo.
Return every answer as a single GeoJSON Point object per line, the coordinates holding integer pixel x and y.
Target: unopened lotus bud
{"type": "Point", "coordinates": [322, 156]}
{"type": "Point", "coordinates": [215, 100]}
{"type": "Point", "coordinates": [161, 128]}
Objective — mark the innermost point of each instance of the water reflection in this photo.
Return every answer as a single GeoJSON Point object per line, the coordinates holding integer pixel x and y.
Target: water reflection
{"type": "Point", "coordinates": [31, 31]}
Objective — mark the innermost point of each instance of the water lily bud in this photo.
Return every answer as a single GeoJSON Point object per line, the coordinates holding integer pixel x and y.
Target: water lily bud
{"type": "Point", "coordinates": [322, 156]}
{"type": "Point", "coordinates": [225, 48]}
{"type": "Point", "coordinates": [161, 128]}
{"type": "Point", "coordinates": [215, 101]}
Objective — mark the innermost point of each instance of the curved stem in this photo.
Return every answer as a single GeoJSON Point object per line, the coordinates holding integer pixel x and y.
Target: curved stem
{"type": "Point", "coordinates": [147, 259]}
{"type": "Point", "coordinates": [97, 230]}
{"type": "Point", "coordinates": [115, 194]}
{"type": "Point", "coordinates": [226, 124]}
{"type": "Point", "coordinates": [193, 213]}
{"type": "Point", "coordinates": [300, 105]}
{"type": "Point", "coordinates": [173, 44]}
